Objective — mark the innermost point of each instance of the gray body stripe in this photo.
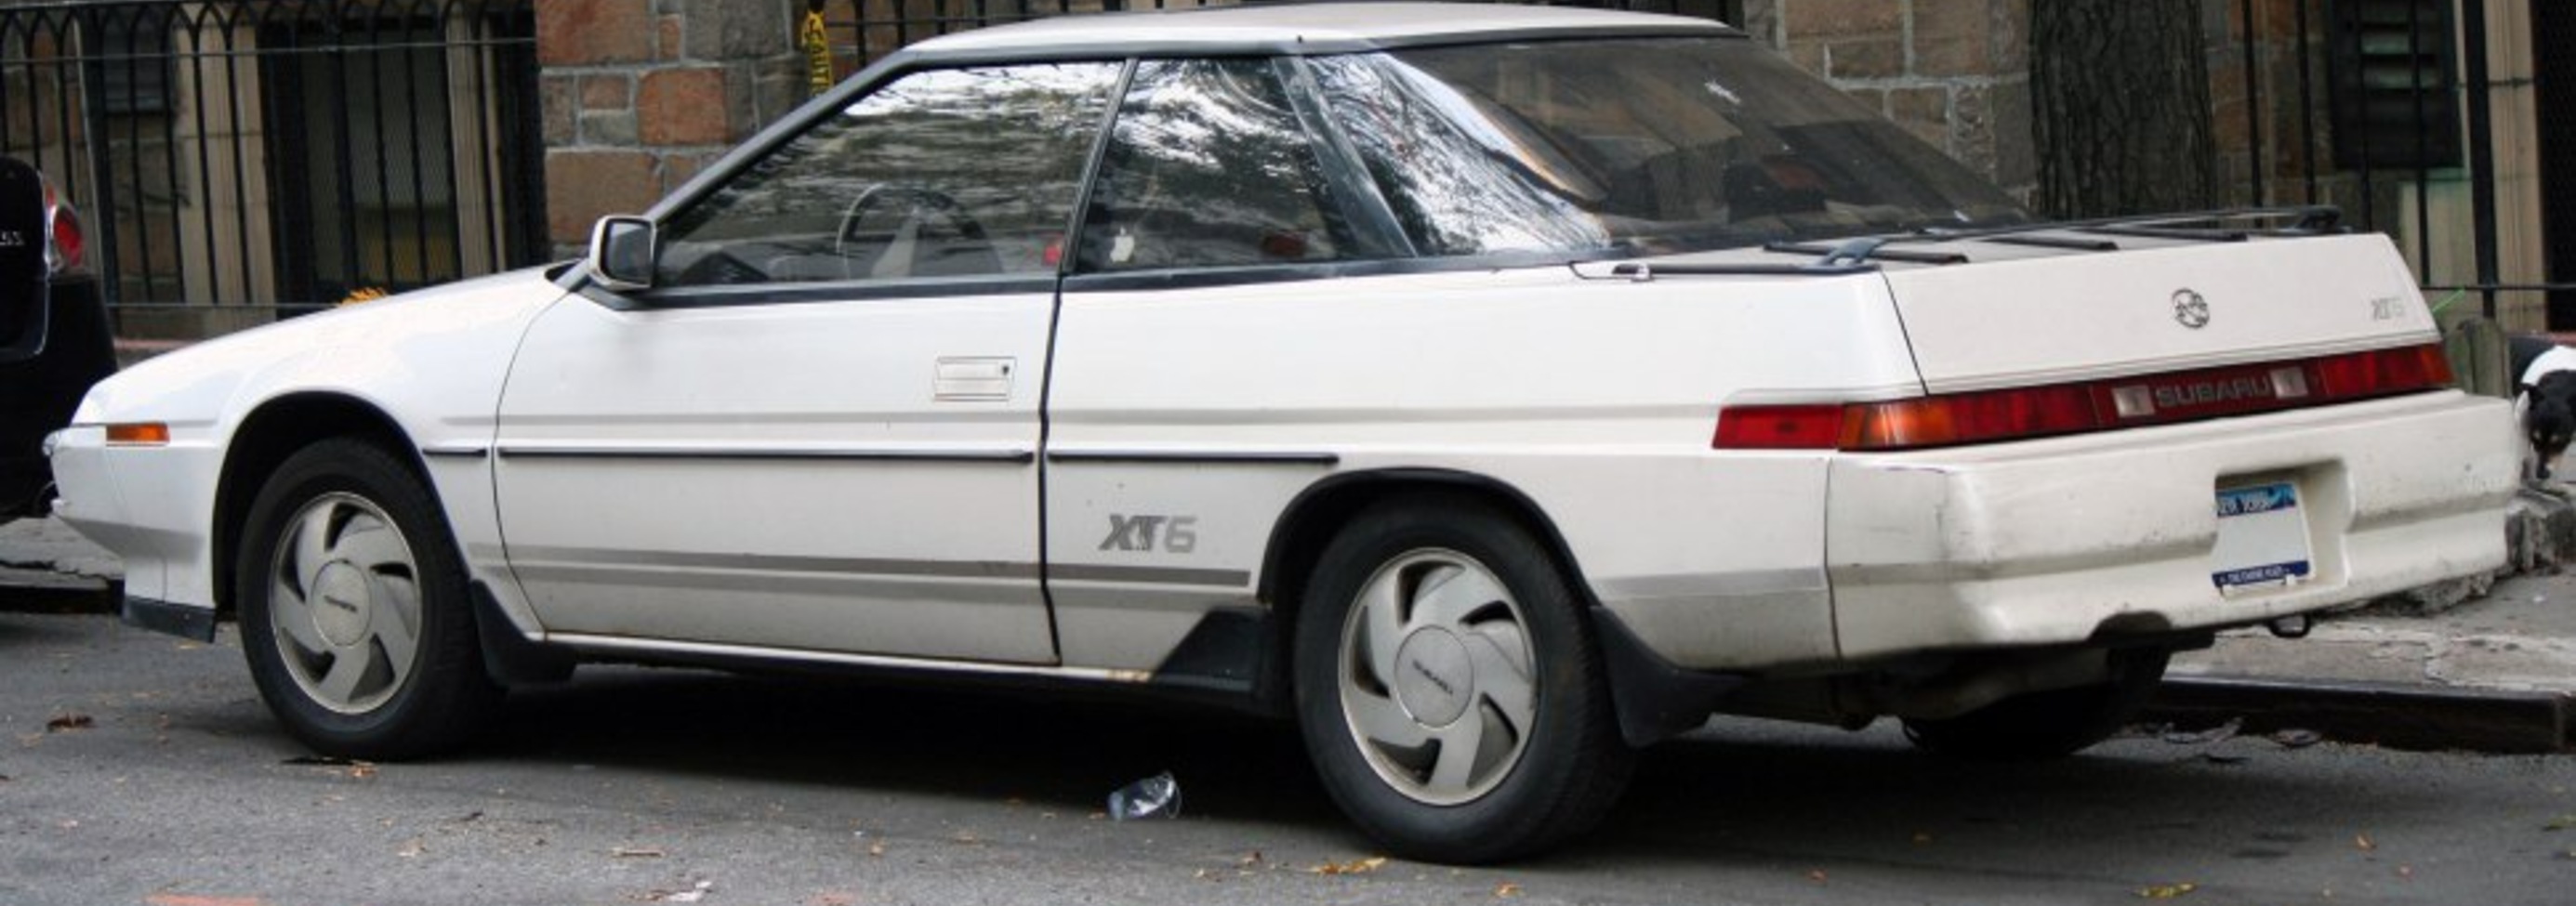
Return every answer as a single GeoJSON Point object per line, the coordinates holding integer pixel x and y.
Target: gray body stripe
{"type": "Point", "coordinates": [455, 452]}
{"type": "Point", "coordinates": [1150, 575]}
{"type": "Point", "coordinates": [557, 561]}
{"type": "Point", "coordinates": [593, 557]}
{"type": "Point", "coordinates": [1184, 457]}
{"type": "Point", "coordinates": [769, 453]}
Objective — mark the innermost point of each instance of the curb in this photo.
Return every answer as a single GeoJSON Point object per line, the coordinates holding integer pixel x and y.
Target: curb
{"type": "Point", "coordinates": [2408, 717]}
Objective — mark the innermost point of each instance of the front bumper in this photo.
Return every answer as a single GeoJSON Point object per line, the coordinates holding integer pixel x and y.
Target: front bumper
{"type": "Point", "coordinates": [2089, 538]}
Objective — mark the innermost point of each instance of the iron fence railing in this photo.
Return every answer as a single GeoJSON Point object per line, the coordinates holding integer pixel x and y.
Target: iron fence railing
{"type": "Point", "coordinates": [265, 155]}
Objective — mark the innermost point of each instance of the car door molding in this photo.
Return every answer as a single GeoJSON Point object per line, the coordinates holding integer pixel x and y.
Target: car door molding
{"type": "Point", "coordinates": [1198, 457]}
{"type": "Point", "coordinates": [1002, 456]}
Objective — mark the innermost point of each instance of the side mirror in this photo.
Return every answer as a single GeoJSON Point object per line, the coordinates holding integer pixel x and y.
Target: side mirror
{"type": "Point", "coordinates": [623, 251]}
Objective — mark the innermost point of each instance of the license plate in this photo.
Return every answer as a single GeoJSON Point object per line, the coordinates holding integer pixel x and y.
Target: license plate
{"type": "Point", "coordinates": [2262, 538]}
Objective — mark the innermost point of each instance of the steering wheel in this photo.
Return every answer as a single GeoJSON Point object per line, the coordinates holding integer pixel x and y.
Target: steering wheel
{"type": "Point", "coordinates": [899, 256]}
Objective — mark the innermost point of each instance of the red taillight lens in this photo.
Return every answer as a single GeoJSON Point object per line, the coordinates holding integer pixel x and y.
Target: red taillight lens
{"type": "Point", "coordinates": [1969, 418]}
{"type": "Point", "coordinates": [2383, 371]}
{"type": "Point", "coordinates": [1779, 427]}
{"type": "Point", "coordinates": [66, 246]}
{"type": "Point", "coordinates": [2029, 412]}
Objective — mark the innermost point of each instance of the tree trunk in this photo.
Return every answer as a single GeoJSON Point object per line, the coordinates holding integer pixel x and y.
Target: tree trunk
{"type": "Point", "coordinates": [2120, 107]}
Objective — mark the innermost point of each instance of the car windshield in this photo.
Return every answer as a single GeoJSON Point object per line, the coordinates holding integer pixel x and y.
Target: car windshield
{"type": "Point", "coordinates": [1646, 145]}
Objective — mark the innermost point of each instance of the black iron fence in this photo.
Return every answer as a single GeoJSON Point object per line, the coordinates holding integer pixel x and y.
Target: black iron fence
{"type": "Point", "coordinates": [235, 159]}
{"type": "Point", "coordinates": [2387, 108]}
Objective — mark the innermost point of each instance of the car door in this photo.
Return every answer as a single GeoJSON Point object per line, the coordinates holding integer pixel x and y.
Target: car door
{"type": "Point", "coordinates": [817, 430]}
{"type": "Point", "coordinates": [1196, 391]}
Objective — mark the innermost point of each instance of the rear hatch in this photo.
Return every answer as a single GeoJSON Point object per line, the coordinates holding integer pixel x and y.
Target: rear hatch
{"type": "Point", "coordinates": [22, 260]}
{"type": "Point", "coordinates": [2187, 309]}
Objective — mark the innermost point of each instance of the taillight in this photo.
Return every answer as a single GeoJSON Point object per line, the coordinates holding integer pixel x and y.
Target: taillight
{"type": "Point", "coordinates": [2022, 413]}
{"type": "Point", "coordinates": [66, 246]}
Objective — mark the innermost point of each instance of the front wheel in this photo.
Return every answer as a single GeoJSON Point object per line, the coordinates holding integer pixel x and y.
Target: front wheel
{"type": "Point", "coordinates": [1448, 686]}
{"type": "Point", "coordinates": [354, 614]}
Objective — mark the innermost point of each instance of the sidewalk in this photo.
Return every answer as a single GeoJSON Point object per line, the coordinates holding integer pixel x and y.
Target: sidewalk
{"type": "Point", "coordinates": [2492, 673]}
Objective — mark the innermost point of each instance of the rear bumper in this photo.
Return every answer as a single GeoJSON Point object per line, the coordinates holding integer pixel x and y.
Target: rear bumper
{"type": "Point", "coordinates": [2087, 538]}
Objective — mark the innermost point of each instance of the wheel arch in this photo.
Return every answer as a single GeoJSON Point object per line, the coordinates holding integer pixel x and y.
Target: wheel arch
{"type": "Point", "coordinates": [1308, 523]}
{"type": "Point", "coordinates": [265, 438]}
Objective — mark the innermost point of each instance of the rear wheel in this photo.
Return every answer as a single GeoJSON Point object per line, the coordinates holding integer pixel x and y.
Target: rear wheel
{"type": "Point", "coordinates": [1448, 686]}
{"type": "Point", "coordinates": [354, 612]}
{"type": "Point", "coordinates": [2049, 724]}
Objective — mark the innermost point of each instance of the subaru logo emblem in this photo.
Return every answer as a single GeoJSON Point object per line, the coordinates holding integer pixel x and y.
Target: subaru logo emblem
{"type": "Point", "coordinates": [2190, 309]}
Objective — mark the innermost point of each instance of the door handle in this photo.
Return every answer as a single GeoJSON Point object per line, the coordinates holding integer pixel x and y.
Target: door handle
{"type": "Point", "coordinates": [973, 379]}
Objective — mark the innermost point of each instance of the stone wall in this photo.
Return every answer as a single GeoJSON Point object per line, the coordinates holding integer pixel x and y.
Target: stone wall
{"type": "Point", "coordinates": [639, 95]}
{"type": "Point", "coordinates": [1955, 72]}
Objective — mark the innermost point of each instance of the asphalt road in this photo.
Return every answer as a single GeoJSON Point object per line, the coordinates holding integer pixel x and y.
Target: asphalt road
{"type": "Point", "coordinates": [634, 785]}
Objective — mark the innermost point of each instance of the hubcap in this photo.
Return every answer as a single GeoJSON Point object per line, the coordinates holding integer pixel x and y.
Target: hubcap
{"type": "Point", "coordinates": [1438, 682]}
{"type": "Point", "coordinates": [344, 603]}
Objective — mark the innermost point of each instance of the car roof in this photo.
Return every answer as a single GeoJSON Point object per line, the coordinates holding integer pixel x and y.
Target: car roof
{"type": "Point", "coordinates": [1303, 27]}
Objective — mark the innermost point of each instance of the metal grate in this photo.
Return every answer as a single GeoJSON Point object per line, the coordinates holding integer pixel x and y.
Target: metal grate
{"type": "Point", "coordinates": [265, 155]}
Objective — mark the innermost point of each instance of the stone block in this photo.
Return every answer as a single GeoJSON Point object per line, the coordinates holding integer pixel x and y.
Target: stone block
{"type": "Point", "coordinates": [2016, 145]}
{"type": "Point", "coordinates": [559, 97]}
{"type": "Point", "coordinates": [608, 127]}
{"type": "Point", "coordinates": [1922, 111]}
{"type": "Point", "coordinates": [737, 29]}
{"type": "Point", "coordinates": [585, 185]}
{"type": "Point", "coordinates": [683, 107]}
{"type": "Point", "coordinates": [593, 32]}
{"type": "Point", "coordinates": [1872, 58]}
{"type": "Point", "coordinates": [1823, 18]}
{"type": "Point", "coordinates": [1954, 38]}
{"type": "Point", "coordinates": [608, 92]}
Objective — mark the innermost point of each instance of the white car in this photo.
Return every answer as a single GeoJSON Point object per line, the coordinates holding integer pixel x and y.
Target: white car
{"type": "Point", "coordinates": [1492, 390]}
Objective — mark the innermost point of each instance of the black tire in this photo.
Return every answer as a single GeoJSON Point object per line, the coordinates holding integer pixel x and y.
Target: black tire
{"type": "Point", "coordinates": [2051, 724]}
{"type": "Point", "coordinates": [1566, 764]}
{"type": "Point", "coordinates": [393, 706]}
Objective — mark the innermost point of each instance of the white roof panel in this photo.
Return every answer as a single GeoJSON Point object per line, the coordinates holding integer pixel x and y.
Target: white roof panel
{"type": "Point", "coordinates": [1330, 24]}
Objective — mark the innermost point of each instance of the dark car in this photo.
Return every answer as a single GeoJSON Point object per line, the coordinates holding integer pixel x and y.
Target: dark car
{"type": "Point", "coordinates": [54, 338]}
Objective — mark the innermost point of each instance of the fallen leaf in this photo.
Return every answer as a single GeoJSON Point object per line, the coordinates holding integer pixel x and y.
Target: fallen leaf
{"type": "Point", "coordinates": [69, 721]}
{"type": "Point", "coordinates": [2167, 891]}
{"type": "Point", "coordinates": [184, 899]}
{"type": "Point", "coordinates": [876, 849]}
{"type": "Point", "coordinates": [411, 849]}
{"type": "Point", "coordinates": [1506, 890]}
{"type": "Point", "coordinates": [833, 898]}
{"type": "Point", "coordinates": [1249, 859]}
{"type": "Point", "coordinates": [1921, 838]}
{"type": "Point", "coordinates": [2218, 733]}
{"type": "Point", "coordinates": [2362, 842]}
{"type": "Point", "coordinates": [2297, 739]}
{"type": "Point", "coordinates": [2406, 871]}
{"type": "Point", "coordinates": [637, 852]}
{"type": "Point", "coordinates": [1352, 867]}
{"type": "Point", "coordinates": [2559, 823]}
{"type": "Point", "coordinates": [1816, 875]}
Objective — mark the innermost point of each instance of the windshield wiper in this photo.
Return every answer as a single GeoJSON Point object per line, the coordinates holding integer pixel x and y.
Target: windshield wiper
{"type": "Point", "coordinates": [2310, 220]}
{"type": "Point", "coordinates": [1866, 249]}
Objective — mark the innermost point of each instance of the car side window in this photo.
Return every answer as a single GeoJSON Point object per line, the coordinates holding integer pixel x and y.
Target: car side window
{"type": "Point", "coordinates": [942, 173]}
{"type": "Point", "coordinates": [1209, 166]}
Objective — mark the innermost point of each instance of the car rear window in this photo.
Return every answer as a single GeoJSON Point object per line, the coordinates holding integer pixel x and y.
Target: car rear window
{"type": "Point", "coordinates": [1651, 145]}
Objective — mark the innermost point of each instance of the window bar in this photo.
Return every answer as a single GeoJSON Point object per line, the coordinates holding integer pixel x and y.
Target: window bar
{"type": "Point", "coordinates": [2481, 151]}
{"type": "Point", "coordinates": [102, 163]}
{"type": "Point", "coordinates": [2253, 103]}
{"type": "Point", "coordinates": [385, 207]}
{"type": "Point", "coordinates": [412, 57]}
{"type": "Point", "coordinates": [241, 174]}
{"type": "Point", "coordinates": [347, 180]}
{"type": "Point", "coordinates": [495, 237]}
{"type": "Point", "coordinates": [2307, 102]}
{"type": "Point", "coordinates": [134, 151]}
{"type": "Point", "coordinates": [205, 189]}
{"type": "Point", "coordinates": [2423, 170]}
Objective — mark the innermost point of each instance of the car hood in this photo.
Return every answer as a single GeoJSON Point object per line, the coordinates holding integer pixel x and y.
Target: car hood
{"type": "Point", "coordinates": [455, 336]}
